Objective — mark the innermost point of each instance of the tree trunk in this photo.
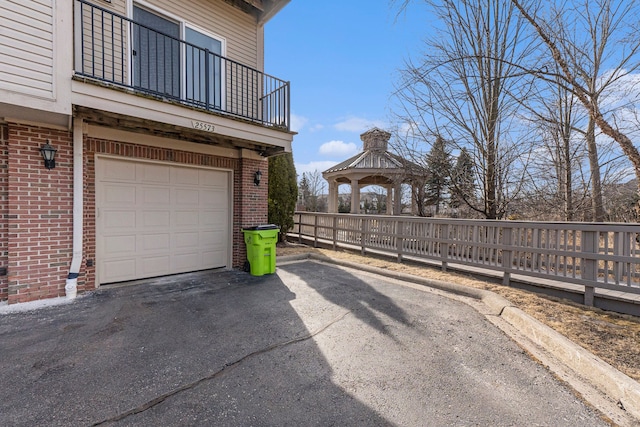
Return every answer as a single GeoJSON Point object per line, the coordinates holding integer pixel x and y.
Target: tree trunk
{"type": "Point", "coordinates": [568, 180]}
{"type": "Point", "coordinates": [594, 165]}
{"type": "Point", "coordinates": [491, 208]}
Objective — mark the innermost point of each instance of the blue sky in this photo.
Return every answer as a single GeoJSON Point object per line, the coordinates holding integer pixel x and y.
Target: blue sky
{"type": "Point", "coordinates": [342, 58]}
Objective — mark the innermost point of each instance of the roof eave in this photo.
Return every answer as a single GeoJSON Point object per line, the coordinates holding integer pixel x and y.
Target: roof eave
{"type": "Point", "coordinates": [271, 9]}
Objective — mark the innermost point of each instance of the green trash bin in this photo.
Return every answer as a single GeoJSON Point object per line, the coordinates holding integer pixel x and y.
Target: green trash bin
{"type": "Point", "coordinates": [261, 248]}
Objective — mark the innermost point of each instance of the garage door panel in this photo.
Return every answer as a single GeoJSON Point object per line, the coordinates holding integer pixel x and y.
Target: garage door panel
{"type": "Point", "coordinates": [150, 196]}
{"type": "Point", "coordinates": [210, 178]}
{"type": "Point", "coordinates": [213, 198]}
{"type": "Point", "coordinates": [151, 266]}
{"type": "Point", "coordinates": [156, 219]}
{"type": "Point", "coordinates": [186, 218]}
{"type": "Point", "coordinates": [189, 261]}
{"type": "Point", "coordinates": [212, 239]}
{"type": "Point", "coordinates": [115, 170]}
{"type": "Point", "coordinates": [118, 270]}
{"type": "Point", "coordinates": [155, 242]}
{"type": "Point", "coordinates": [118, 219]}
{"type": "Point", "coordinates": [187, 197]}
{"type": "Point", "coordinates": [116, 194]}
{"type": "Point", "coordinates": [186, 240]}
{"type": "Point", "coordinates": [185, 176]}
{"type": "Point", "coordinates": [214, 218]}
{"type": "Point", "coordinates": [155, 173]}
{"type": "Point", "coordinates": [212, 259]}
{"type": "Point", "coordinates": [120, 245]}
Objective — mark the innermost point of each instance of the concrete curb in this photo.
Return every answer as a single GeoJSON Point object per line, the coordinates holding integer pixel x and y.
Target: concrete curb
{"type": "Point", "coordinates": [618, 386]}
{"type": "Point", "coordinates": [600, 374]}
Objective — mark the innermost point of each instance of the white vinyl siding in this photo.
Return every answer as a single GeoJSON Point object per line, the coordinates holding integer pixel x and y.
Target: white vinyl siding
{"type": "Point", "coordinates": [238, 28]}
{"type": "Point", "coordinates": [26, 47]}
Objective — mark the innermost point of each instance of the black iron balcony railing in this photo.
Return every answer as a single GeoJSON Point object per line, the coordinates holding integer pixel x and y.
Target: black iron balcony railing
{"type": "Point", "coordinates": [115, 49]}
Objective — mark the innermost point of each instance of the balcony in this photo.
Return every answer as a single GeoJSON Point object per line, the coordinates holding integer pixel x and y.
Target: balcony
{"type": "Point", "coordinates": [115, 50]}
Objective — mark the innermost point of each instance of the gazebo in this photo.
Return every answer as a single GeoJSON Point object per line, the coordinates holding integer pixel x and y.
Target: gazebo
{"type": "Point", "coordinates": [375, 165]}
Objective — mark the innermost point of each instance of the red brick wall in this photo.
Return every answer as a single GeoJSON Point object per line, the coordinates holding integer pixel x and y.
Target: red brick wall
{"type": "Point", "coordinates": [40, 213]}
{"type": "Point", "coordinates": [36, 206]}
{"type": "Point", "coordinates": [250, 204]}
{"type": "Point", "coordinates": [4, 210]}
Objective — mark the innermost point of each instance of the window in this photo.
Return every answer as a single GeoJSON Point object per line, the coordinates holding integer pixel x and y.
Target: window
{"type": "Point", "coordinates": [156, 53]}
{"type": "Point", "coordinates": [191, 71]}
{"type": "Point", "coordinates": [203, 69]}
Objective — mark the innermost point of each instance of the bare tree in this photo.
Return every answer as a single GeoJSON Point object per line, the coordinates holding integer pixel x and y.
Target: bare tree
{"type": "Point", "coordinates": [317, 187]}
{"type": "Point", "coordinates": [409, 143]}
{"type": "Point", "coordinates": [555, 169]}
{"type": "Point", "coordinates": [465, 89]}
{"type": "Point", "coordinates": [440, 170]}
{"type": "Point", "coordinates": [462, 184]}
{"type": "Point", "coordinates": [612, 40]}
{"type": "Point", "coordinates": [312, 187]}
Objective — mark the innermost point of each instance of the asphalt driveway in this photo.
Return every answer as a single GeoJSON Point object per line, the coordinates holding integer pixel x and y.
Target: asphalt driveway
{"type": "Point", "coordinates": [313, 344]}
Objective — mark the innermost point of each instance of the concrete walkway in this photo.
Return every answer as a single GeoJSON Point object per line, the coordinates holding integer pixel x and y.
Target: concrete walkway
{"type": "Point", "coordinates": [314, 344]}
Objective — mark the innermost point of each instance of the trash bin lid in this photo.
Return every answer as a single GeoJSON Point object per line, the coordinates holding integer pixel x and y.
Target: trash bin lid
{"type": "Point", "coordinates": [263, 227]}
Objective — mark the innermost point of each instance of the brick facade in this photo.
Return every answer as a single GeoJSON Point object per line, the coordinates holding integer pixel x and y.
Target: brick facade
{"type": "Point", "coordinates": [36, 227]}
{"type": "Point", "coordinates": [39, 213]}
{"type": "Point", "coordinates": [4, 210]}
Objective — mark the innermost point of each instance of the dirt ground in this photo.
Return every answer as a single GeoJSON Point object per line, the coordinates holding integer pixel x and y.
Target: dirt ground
{"type": "Point", "coordinates": [615, 338]}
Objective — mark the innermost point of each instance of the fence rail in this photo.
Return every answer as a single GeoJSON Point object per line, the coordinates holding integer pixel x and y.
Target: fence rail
{"type": "Point", "coordinates": [114, 49]}
{"type": "Point", "coordinates": [596, 255]}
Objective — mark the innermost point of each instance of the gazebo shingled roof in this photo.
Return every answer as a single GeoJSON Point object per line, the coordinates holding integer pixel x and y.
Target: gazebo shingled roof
{"type": "Point", "coordinates": [375, 165]}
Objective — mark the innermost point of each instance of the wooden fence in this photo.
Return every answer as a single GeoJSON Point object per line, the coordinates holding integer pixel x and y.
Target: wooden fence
{"type": "Point", "coordinates": [596, 255]}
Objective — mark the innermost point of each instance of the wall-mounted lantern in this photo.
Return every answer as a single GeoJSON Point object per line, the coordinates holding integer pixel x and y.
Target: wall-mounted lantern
{"type": "Point", "coordinates": [49, 155]}
{"type": "Point", "coordinates": [257, 177]}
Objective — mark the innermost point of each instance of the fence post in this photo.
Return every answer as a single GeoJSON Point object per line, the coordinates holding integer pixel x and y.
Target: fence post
{"type": "Point", "coordinates": [335, 231]}
{"type": "Point", "coordinates": [621, 246]}
{"type": "Point", "coordinates": [363, 235]}
{"type": "Point", "coordinates": [315, 230]}
{"type": "Point", "coordinates": [444, 247]}
{"type": "Point", "coordinates": [300, 228]}
{"type": "Point", "coordinates": [589, 267]}
{"type": "Point", "coordinates": [507, 256]}
{"type": "Point", "coordinates": [399, 239]}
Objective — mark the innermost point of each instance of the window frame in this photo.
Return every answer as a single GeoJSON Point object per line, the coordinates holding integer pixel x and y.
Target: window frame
{"type": "Point", "coordinates": [183, 25]}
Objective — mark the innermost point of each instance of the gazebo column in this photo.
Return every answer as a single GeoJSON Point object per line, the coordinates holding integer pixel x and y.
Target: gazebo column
{"type": "Point", "coordinates": [414, 203]}
{"type": "Point", "coordinates": [389, 199]}
{"type": "Point", "coordinates": [397, 199]}
{"type": "Point", "coordinates": [355, 196]}
{"type": "Point", "coordinates": [333, 197]}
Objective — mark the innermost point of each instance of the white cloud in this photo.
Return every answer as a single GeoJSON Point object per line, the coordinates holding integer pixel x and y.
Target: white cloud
{"type": "Point", "coordinates": [338, 149]}
{"type": "Point", "coordinates": [314, 166]}
{"type": "Point", "coordinates": [316, 128]}
{"type": "Point", "coordinates": [298, 122]}
{"type": "Point", "coordinates": [358, 124]}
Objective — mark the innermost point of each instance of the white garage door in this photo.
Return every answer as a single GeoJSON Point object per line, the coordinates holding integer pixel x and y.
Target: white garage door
{"type": "Point", "coordinates": [156, 219]}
